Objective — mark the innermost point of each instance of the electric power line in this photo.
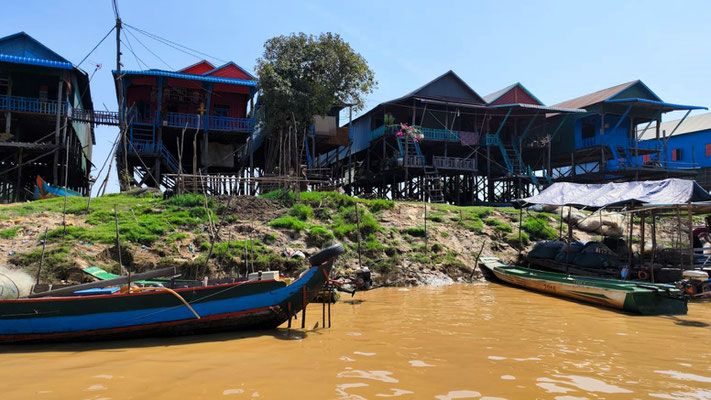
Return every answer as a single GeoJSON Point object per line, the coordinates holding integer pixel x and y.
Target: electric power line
{"type": "Point", "coordinates": [97, 45]}
{"type": "Point", "coordinates": [174, 44]}
{"type": "Point", "coordinates": [149, 50]}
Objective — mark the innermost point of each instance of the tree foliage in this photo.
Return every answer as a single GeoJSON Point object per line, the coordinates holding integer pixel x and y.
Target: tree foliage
{"type": "Point", "coordinates": [301, 76]}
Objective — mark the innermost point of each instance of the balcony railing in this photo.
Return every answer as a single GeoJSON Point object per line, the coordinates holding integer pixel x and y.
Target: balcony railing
{"type": "Point", "coordinates": [429, 133]}
{"type": "Point", "coordinates": [618, 141]}
{"type": "Point", "coordinates": [194, 121]}
{"type": "Point", "coordinates": [31, 105]}
{"type": "Point", "coordinates": [457, 163]}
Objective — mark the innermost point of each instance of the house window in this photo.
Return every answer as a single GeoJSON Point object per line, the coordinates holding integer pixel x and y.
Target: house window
{"type": "Point", "coordinates": [221, 110]}
{"type": "Point", "coordinates": [588, 129]}
{"type": "Point", "coordinates": [43, 93]}
{"type": "Point", "coordinates": [708, 150]}
{"type": "Point", "coordinates": [676, 154]}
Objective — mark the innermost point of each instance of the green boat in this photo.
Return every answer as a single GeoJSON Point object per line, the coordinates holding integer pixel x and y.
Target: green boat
{"type": "Point", "coordinates": [633, 297]}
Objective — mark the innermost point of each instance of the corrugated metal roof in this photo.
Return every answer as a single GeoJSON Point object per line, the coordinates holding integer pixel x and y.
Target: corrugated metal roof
{"type": "Point", "coordinates": [493, 97]}
{"type": "Point", "coordinates": [551, 109]}
{"type": "Point", "coordinates": [596, 97]}
{"type": "Point", "coordinates": [200, 78]}
{"type": "Point", "coordinates": [696, 123]}
{"type": "Point", "coordinates": [35, 61]}
{"type": "Point", "coordinates": [227, 65]}
{"type": "Point", "coordinates": [21, 48]}
{"type": "Point", "coordinates": [451, 73]}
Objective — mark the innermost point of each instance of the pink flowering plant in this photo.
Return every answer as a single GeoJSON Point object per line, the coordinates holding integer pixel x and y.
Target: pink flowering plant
{"type": "Point", "coordinates": [410, 131]}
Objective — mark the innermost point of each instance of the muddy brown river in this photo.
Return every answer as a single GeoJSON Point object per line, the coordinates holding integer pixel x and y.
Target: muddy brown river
{"type": "Point", "coordinates": [479, 341]}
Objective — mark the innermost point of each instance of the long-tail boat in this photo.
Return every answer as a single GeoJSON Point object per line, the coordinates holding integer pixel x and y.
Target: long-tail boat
{"type": "Point", "coordinates": [634, 297]}
{"type": "Point", "coordinates": [262, 304]}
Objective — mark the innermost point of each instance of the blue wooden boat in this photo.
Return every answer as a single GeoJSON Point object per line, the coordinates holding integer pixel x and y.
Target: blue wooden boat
{"type": "Point", "coordinates": [261, 304]}
{"type": "Point", "coordinates": [44, 190]}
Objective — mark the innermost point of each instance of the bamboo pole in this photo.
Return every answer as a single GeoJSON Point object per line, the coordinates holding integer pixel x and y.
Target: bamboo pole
{"type": "Point", "coordinates": [360, 262]}
{"type": "Point", "coordinates": [44, 244]}
{"type": "Point", "coordinates": [678, 241]}
{"type": "Point", "coordinates": [641, 235]}
{"type": "Point", "coordinates": [654, 244]}
{"type": "Point", "coordinates": [691, 236]}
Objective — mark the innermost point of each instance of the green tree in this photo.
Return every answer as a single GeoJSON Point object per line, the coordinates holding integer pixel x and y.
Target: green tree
{"type": "Point", "coordinates": [301, 76]}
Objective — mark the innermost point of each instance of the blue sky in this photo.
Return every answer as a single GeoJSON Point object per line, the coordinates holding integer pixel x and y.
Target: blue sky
{"type": "Point", "coordinates": [557, 49]}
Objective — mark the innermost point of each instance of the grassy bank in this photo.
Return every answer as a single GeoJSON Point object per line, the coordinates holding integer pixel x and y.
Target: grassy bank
{"type": "Point", "coordinates": [223, 236]}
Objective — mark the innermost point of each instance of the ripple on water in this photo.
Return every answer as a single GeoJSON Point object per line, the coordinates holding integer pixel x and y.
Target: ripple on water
{"type": "Point", "coordinates": [583, 383]}
{"type": "Point", "coordinates": [341, 390]}
{"type": "Point", "coordinates": [383, 376]}
{"type": "Point", "coordinates": [395, 393]}
{"type": "Point", "coordinates": [685, 376]}
{"type": "Point", "coordinates": [227, 392]}
{"type": "Point", "coordinates": [459, 394]}
{"type": "Point", "coordinates": [362, 353]}
{"type": "Point", "coordinates": [418, 363]}
{"type": "Point", "coordinates": [508, 377]}
{"type": "Point", "coordinates": [699, 394]}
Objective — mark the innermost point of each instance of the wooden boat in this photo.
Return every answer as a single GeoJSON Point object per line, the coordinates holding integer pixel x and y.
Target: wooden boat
{"type": "Point", "coordinates": [44, 190]}
{"type": "Point", "coordinates": [261, 304]}
{"type": "Point", "coordinates": [634, 297]}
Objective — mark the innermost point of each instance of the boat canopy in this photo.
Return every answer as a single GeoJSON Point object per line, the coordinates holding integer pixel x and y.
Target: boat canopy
{"type": "Point", "coordinates": [668, 192]}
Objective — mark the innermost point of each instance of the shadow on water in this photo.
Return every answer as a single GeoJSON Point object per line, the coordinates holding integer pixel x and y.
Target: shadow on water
{"type": "Point", "coordinates": [686, 322]}
{"type": "Point", "coordinates": [353, 301]}
{"type": "Point", "coordinates": [75, 347]}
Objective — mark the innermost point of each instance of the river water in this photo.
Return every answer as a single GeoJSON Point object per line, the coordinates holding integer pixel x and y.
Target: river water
{"type": "Point", "coordinates": [481, 341]}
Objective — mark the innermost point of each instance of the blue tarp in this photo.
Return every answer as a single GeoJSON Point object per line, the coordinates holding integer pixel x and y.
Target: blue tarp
{"type": "Point", "coordinates": [662, 192]}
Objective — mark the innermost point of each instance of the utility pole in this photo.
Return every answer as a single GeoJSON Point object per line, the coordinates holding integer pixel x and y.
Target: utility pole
{"type": "Point", "coordinates": [122, 172]}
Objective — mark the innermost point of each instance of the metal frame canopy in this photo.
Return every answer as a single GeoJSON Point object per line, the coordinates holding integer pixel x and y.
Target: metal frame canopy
{"type": "Point", "coordinates": [617, 195]}
{"type": "Point", "coordinates": [659, 105]}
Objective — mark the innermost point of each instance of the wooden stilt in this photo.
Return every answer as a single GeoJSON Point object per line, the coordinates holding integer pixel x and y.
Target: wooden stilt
{"type": "Point", "coordinates": [303, 309]}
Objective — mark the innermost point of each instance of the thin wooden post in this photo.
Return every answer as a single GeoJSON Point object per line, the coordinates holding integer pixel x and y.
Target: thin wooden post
{"type": "Point", "coordinates": [360, 262]}
{"type": "Point", "coordinates": [118, 242]}
{"type": "Point", "coordinates": [691, 237]}
{"type": "Point", "coordinates": [520, 224]}
{"type": "Point", "coordinates": [560, 228]}
{"type": "Point", "coordinates": [654, 244]}
{"type": "Point", "coordinates": [303, 309]}
{"type": "Point", "coordinates": [427, 251]}
{"type": "Point", "coordinates": [330, 292]}
{"type": "Point", "coordinates": [641, 235]}
{"type": "Point", "coordinates": [570, 240]}
{"type": "Point", "coordinates": [288, 308]}
{"type": "Point", "coordinates": [678, 241]}
{"type": "Point", "coordinates": [323, 308]}
{"type": "Point", "coordinates": [629, 244]}
{"type": "Point", "coordinates": [44, 244]}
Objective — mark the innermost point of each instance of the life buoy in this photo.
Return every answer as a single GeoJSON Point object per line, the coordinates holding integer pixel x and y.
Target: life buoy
{"type": "Point", "coordinates": [643, 275]}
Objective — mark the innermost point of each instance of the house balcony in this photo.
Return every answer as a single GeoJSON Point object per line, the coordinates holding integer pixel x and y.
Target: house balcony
{"type": "Point", "coordinates": [214, 123]}
{"type": "Point", "coordinates": [455, 163]}
{"type": "Point", "coordinates": [32, 105]}
{"type": "Point", "coordinates": [617, 141]}
{"type": "Point", "coordinates": [443, 163]}
{"type": "Point", "coordinates": [442, 135]}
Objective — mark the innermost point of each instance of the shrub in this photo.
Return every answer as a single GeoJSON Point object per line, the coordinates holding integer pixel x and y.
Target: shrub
{"type": "Point", "coordinates": [190, 200]}
{"type": "Point", "coordinates": [415, 231]}
{"type": "Point", "coordinates": [378, 205]}
{"type": "Point", "coordinates": [319, 236]}
{"type": "Point", "coordinates": [436, 217]}
{"type": "Point", "coordinates": [474, 225]}
{"type": "Point", "coordinates": [500, 226]}
{"type": "Point", "coordinates": [292, 223]}
{"type": "Point", "coordinates": [9, 233]}
{"type": "Point", "coordinates": [436, 248]}
{"type": "Point", "coordinates": [269, 238]}
{"type": "Point", "coordinates": [538, 229]}
{"type": "Point", "coordinates": [512, 238]}
{"type": "Point", "coordinates": [301, 211]}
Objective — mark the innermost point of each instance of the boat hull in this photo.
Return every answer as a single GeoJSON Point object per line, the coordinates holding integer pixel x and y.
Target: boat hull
{"type": "Point", "coordinates": [623, 295]}
{"type": "Point", "coordinates": [243, 305]}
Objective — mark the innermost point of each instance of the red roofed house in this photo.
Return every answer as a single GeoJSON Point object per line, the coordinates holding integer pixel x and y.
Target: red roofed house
{"type": "Point", "coordinates": [213, 104]}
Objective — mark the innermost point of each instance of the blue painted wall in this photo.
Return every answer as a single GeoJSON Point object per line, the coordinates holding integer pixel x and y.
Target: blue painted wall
{"type": "Point", "coordinates": [693, 150]}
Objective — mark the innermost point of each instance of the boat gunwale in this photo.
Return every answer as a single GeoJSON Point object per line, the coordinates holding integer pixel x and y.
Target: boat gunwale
{"type": "Point", "coordinates": [619, 285]}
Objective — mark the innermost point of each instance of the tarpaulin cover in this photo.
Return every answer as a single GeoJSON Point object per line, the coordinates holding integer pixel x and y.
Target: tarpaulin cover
{"type": "Point", "coordinates": [666, 192]}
